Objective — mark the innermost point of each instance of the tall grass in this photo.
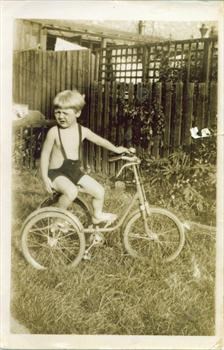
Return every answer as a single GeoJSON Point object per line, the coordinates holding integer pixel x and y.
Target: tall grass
{"type": "Point", "coordinates": [113, 293]}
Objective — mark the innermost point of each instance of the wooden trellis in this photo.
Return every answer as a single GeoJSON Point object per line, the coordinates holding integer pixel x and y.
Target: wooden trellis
{"type": "Point", "coordinates": [192, 60]}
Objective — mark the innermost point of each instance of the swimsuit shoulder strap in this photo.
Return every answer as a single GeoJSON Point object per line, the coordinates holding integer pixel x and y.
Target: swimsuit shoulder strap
{"type": "Point", "coordinates": [62, 147]}
{"type": "Point", "coordinates": [80, 143]}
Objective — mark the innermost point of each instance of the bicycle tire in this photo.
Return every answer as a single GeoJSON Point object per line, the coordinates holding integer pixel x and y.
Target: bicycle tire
{"type": "Point", "coordinates": [44, 247]}
{"type": "Point", "coordinates": [135, 238]}
{"type": "Point", "coordinates": [79, 208]}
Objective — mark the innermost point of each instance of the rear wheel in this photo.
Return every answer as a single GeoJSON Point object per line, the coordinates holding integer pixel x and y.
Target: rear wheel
{"type": "Point", "coordinates": [78, 207]}
{"type": "Point", "coordinates": [51, 238]}
{"type": "Point", "coordinates": [164, 238]}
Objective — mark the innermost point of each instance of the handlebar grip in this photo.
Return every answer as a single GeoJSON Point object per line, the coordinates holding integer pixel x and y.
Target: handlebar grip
{"type": "Point", "coordinates": [114, 158]}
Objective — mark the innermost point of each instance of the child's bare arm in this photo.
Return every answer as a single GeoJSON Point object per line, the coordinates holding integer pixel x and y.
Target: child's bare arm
{"type": "Point", "coordinates": [45, 157]}
{"type": "Point", "coordinates": [100, 141]}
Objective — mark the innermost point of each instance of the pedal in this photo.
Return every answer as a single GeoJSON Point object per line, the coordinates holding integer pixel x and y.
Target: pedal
{"type": "Point", "coordinates": [87, 255]}
{"type": "Point", "coordinates": [97, 239]}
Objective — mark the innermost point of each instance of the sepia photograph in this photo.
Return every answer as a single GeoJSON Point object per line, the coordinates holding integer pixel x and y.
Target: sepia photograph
{"type": "Point", "coordinates": [112, 190]}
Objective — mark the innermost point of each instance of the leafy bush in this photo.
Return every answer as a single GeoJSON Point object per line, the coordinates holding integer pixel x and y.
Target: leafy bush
{"type": "Point", "coordinates": [185, 181]}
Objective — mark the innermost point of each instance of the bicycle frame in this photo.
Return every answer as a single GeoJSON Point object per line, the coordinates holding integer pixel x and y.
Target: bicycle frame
{"type": "Point", "coordinates": [139, 196]}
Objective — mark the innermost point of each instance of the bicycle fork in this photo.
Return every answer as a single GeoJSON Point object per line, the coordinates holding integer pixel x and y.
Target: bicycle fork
{"type": "Point", "coordinates": [144, 205]}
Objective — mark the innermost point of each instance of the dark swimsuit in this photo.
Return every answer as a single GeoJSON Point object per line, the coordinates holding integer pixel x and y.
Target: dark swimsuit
{"type": "Point", "coordinates": [70, 168]}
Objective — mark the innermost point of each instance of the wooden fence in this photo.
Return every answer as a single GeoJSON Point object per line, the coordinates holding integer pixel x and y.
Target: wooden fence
{"type": "Point", "coordinates": [39, 75]}
{"type": "Point", "coordinates": [182, 106]}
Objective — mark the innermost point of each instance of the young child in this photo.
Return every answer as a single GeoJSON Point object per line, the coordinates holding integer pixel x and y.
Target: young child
{"type": "Point", "coordinates": [60, 163]}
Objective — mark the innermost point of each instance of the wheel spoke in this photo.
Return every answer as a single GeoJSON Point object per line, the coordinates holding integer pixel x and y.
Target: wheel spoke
{"type": "Point", "coordinates": [67, 234]}
{"type": "Point", "coordinates": [167, 236]}
{"type": "Point", "coordinates": [61, 252]}
{"type": "Point", "coordinates": [43, 248]}
{"type": "Point", "coordinates": [69, 249]}
{"type": "Point", "coordinates": [38, 233]}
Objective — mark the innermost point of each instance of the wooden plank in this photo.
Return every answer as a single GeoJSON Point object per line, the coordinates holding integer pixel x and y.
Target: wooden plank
{"type": "Point", "coordinates": [31, 79]}
{"type": "Point", "coordinates": [22, 83]}
{"type": "Point", "coordinates": [63, 70]}
{"type": "Point", "coordinates": [188, 67]}
{"type": "Point", "coordinates": [87, 85]}
{"type": "Point", "coordinates": [120, 126]}
{"type": "Point", "coordinates": [79, 71]}
{"type": "Point", "coordinates": [98, 126]}
{"type": "Point", "coordinates": [91, 149]}
{"type": "Point", "coordinates": [39, 80]}
{"type": "Point", "coordinates": [48, 90]}
{"type": "Point", "coordinates": [14, 90]}
{"type": "Point", "coordinates": [51, 76]}
{"type": "Point", "coordinates": [58, 79]}
{"type": "Point", "coordinates": [200, 106]}
{"type": "Point", "coordinates": [167, 107]}
{"type": "Point", "coordinates": [97, 63]}
{"type": "Point", "coordinates": [30, 151]}
{"type": "Point", "coordinates": [187, 113]}
{"type": "Point", "coordinates": [128, 135]}
{"type": "Point", "coordinates": [26, 81]}
{"type": "Point", "coordinates": [106, 127]}
{"type": "Point", "coordinates": [74, 70]}
{"type": "Point", "coordinates": [44, 80]}
{"type": "Point", "coordinates": [212, 122]}
{"type": "Point", "coordinates": [92, 67]}
{"type": "Point", "coordinates": [36, 74]}
{"type": "Point", "coordinates": [138, 96]}
{"type": "Point", "coordinates": [53, 82]}
{"type": "Point", "coordinates": [113, 122]}
{"type": "Point", "coordinates": [206, 64]}
{"type": "Point", "coordinates": [68, 70]}
{"type": "Point", "coordinates": [157, 138]}
{"type": "Point", "coordinates": [25, 78]}
{"type": "Point", "coordinates": [178, 114]}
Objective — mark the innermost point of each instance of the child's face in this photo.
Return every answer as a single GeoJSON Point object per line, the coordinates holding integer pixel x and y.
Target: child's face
{"type": "Point", "coordinates": [65, 117]}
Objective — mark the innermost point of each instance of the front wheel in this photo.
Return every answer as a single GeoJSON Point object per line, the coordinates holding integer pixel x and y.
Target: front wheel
{"type": "Point", "coordinates": [52, 237]}
{"type": "Point", "coordinates": [162, 236]}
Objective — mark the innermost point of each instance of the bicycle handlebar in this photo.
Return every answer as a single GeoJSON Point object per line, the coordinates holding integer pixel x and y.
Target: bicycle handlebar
{"type": "Point", "coordinates": [123, 157]}
{"type": "Point", "coordinates": [130, 157]}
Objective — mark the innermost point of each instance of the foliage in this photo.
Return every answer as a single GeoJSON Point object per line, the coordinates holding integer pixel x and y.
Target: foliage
{"type": "Point", "coordinates": [27, 144]}
{"type": "Point", "coordinates": [147, 118]}
{"type": "Point", "coordinates": [187, 181]}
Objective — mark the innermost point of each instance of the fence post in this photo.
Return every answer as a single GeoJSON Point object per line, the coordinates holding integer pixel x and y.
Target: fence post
{"type": "Point", "coordinates": [113, 123]}
{"type": "Point", "coordinates": [206, 60]}
{"type": "Point", "coordinates": [92, 113]}
{"type": "Point", "coordinates": [157, 138]}
{"type": "Point", "coordinates": [178, 114]}
{"type": "Point", "coordinates": [200, 106]}
{"type": "Point", "coordinates": [213, 105]}
{"type": "Point", "coordinates": [167, 114]}
{"type": "Point", "coordinates": [187, 113]}
{"type": "Point", "coordinates": [105, 125]}
{"type": "Point", "coordinates": [98, 126]}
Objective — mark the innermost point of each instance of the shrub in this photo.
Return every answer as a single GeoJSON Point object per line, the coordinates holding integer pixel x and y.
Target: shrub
{"type": "Point", "coordinates": [185, 181]}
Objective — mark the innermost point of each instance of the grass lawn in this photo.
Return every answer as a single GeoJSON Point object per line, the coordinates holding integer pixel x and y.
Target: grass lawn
{"type": "Point", "coordinates": [113, 293]}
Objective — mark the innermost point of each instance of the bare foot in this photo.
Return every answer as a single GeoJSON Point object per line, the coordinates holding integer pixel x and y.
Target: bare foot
{"type": "Point", "coordinates": [104, 217]}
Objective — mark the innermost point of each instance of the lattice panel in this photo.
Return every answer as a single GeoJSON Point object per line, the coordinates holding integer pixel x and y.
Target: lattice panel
{"type": "Point", "coordinates": [189, 60]}
{"type": "Point", "coordinates": [124, 64]}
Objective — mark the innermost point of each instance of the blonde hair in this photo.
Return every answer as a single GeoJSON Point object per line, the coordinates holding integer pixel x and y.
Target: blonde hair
{"type": "Point", "coordinates": [69, 99]}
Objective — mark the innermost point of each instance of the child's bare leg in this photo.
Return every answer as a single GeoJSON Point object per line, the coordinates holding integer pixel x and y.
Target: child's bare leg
{"type": "Point", "coordinates": [67, 189]}
{"type": "Point", "coordinates": [92, 187]}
